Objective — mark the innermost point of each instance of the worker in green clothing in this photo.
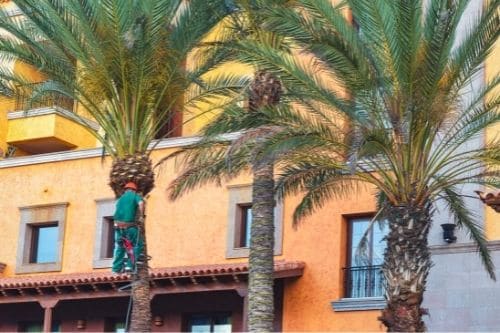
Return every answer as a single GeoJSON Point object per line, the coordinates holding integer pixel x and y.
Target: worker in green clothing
{"type": "Point", "coordinates": [128, 206]}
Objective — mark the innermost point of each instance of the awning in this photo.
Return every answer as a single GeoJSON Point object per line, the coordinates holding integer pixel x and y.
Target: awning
{"type": "Point", "coordinates": [163, 281]}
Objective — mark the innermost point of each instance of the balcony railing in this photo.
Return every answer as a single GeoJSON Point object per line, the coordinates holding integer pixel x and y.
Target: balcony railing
{"type": "Point", "coordinates": [363, 281]}
{"type": "Point", "coordinates": [24, 102]}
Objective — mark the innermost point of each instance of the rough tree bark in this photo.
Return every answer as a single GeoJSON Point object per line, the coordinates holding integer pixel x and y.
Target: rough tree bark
{"type": "Point", "coordinates": [406, 266]}
{"type": "Point", "coordinates": [261, 258]}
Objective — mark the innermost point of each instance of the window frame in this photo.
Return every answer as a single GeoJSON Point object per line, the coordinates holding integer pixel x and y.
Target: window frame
{"type": "Point", "coordinates": [349, 264]}
{"type": "Point", "coordinates": [105, 210]}
{"type": "Point", "coordinates": [241, 196]}
{"type": "Point", "coordinates": [33, 217]}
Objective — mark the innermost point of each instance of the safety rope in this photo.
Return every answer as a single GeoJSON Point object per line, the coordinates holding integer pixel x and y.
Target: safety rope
{"type": "Point", "coordinates": [134, 272]}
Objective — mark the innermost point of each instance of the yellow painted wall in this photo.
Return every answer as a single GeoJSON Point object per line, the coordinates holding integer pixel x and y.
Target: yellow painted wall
{"type": "Point", "coordinates": [492, 68]}
{"type": "Point", "coordinates": [51, 125]}
{"type": "Point", "coordinates": [5, 105]}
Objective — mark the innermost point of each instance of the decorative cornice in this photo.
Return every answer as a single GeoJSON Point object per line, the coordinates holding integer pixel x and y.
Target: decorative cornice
{"type": "Point", "coordinates": [49, 111]}
{"type": "Point", "coordinates": [52, 205]}
{"type": "Point", "coordinates": [96, 152]}
{"type": "Point", "coordinates": [358, 304]}
{"type": "Point", "coordinates": [462, 248]}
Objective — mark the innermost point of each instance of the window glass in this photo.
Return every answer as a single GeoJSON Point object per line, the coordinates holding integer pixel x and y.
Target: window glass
{"type": "Point", "coordinates": [208, 323]}
{"type": "Point", "coordinates": [247, 213]}
{"type": "Point", "coordinates": [45, 244]}
{"type": "Point", "coordinates": [38, 327]}
{"type": "Point", "coordinates": [222, 324]}
{"type": "Point", "coordinates": [358, 228]}
{"type": "Point", "coordinates": [244, 217]}
{"type": "Point", "coordinates": [200, 324]}
{"type": "Point", "coordinates": [119, 327]}
{"type": "Point", "coordinates": [108, 238]}
{"type": "Point", "coordinates": [363, 275]}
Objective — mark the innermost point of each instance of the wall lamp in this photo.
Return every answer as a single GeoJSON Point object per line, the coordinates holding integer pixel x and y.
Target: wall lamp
{"type": "Point", "coordinates": [81, 324]}
{"type": "Point", "coordinates": [449, 232]}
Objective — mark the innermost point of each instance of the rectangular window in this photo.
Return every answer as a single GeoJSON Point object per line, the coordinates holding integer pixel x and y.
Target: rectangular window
{"type": "Point", "coordinates": [104, 241]}
{"type": "Point", "coordinates": [34, 326]}
{"type": "Point", "coordinates": [108, 239]}
{"type": "Point", "coordinates": [239, 222]}
{"type": "Point", "coordinates": [44, 243]}
{"type": "Point", "coordinates": [207, 323]}
{"type": "Point", "coordinates": [244, 222]}
{"type": "Point", "coordinates": [119, 327]}
{"type": "Point", "coordinates": [41, 235]}
{"type": "Point", "coordinates": [363, 275]}
{"type": "Point", "coordinates": [116, 325]}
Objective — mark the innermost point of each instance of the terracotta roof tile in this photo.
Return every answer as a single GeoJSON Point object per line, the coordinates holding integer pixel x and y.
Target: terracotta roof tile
{"type": "Point", "coordinates": [168, 272]}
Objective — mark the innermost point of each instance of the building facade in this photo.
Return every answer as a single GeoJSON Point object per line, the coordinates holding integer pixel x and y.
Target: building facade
{"type": "Point", "coordinates": [56, 236]}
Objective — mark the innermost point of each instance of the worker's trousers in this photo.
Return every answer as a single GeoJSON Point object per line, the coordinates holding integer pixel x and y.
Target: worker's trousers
{"type": "Point", "coordinates": [119, 260]}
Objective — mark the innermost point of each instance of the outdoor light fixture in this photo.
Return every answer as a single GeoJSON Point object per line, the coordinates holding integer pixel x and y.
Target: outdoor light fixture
{"type": "Point", "coordinates": [448, 232]}
{"type": "Point", "coordinates": [158, 321]}
{"type": "Point", "coordinates": [80, 324]}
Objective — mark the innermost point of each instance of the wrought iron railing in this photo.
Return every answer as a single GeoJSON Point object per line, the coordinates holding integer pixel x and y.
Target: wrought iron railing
{"type": "Point", "coordinates": [363, 281]}
{"type": "Point", "coordinates": [25, 102]}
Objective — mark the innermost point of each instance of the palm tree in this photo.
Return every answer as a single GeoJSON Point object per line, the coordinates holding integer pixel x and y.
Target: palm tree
{"type": "Point", "coordinates": [399, 78]}
{"type": "Point", "coordinates": [125, 62]}
{"type": "Point", "coordinates": [213, 158]}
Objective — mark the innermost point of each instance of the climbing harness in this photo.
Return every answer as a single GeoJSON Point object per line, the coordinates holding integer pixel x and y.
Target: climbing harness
{"type": "Point", "coordinates": [129, 249]}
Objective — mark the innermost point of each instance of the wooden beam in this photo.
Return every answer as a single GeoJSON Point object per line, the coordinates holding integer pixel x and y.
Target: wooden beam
{"type": "Point", "coordinates": [193, 288]}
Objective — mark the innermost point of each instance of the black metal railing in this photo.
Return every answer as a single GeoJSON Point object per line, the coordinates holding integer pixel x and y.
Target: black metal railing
{"type": "Point", "coordinates": [363, 281]}
{"type": "Point", "coordinates": [24, 100]}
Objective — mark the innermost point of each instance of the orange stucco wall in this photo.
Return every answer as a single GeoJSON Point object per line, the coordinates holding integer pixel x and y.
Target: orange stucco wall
{"type": "Point", "coordinates": [190, 231]}
{"type": "Point", "coordinates": [320, 241]}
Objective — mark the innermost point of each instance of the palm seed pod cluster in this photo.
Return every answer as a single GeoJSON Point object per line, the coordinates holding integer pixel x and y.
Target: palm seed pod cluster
{"type": "Point", "coordinates": [137, 168]}
{"type": "Point", "coordinates": [265, 90]}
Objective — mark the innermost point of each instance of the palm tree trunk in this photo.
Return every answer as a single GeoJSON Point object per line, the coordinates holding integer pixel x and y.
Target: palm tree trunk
{"type": "Point", "coordinates": [141, 303]}
{"type": "Point", "coordinates": [261, 258]}
{"type": "Point", "coordinates": [137, 168]}
{"type": "Point", "coordinates": [406, 265]}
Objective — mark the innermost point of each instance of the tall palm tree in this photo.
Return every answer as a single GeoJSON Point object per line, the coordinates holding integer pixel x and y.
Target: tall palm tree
{"type": "Point", "coordinates": [212, 158]}
{"type": "Point", "coordinates": [125, 62]}
{"type": "Point", "coordinates": [401, 74]}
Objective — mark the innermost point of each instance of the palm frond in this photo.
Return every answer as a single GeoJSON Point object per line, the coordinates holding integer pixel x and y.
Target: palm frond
{"type": "Point", "coordinates": [464, 218]}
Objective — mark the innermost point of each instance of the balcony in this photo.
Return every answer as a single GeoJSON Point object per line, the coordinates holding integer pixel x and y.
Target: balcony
{"type": "Point", "coordinates": [46, 125]}
{"type": "Point", "coordinates": [363, 281]}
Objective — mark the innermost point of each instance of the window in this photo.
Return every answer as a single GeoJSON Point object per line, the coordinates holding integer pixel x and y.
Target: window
{"type": "Point", "coordinates": [119, 327]}
{"type": "Point", "coordinates": [104, 241]}
{"type": "Point", "coordinates": [108, 239]}
{"type": "Point", "coordinates": [116, 325]}
{"type": "Point", "coordinates": [243, 225]}
{"type": "Point", "coordinates": [207, 323]}
{"type": "Point", "coordinates": [36, 326]}
{"type": "Point", "coordinates": [41, 234]}
{"type": "Point", "coordinates": [44, 243]}
{"type": "Point", "coordinates": [240, 220]}
{"type": "Point", "coordinates": [363, 275]}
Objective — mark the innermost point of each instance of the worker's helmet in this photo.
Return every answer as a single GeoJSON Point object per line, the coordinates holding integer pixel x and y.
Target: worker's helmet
{"type": "Point", "coordinates": [131, 185]}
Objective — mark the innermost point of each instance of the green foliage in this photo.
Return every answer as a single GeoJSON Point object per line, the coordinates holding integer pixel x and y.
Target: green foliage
{"type": "Point", "coordinates": [123, 61]}
{"type": "Point", "coordinates": [412, 113]}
